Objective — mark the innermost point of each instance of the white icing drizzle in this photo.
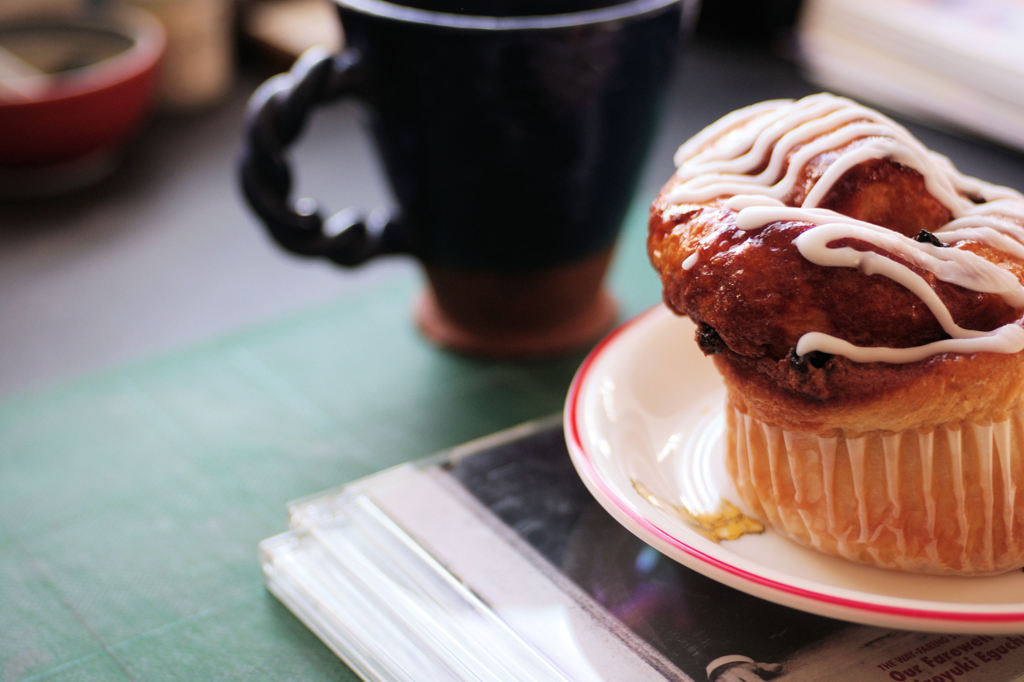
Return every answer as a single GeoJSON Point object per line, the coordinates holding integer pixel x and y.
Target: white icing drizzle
{"type": "Point", "coordinates": [724, 159]}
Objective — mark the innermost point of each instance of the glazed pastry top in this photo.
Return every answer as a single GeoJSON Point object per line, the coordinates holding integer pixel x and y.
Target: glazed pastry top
{"type": "Point", "coordinates": [807, 235]}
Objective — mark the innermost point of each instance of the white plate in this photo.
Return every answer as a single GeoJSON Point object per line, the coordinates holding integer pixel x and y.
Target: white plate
{"type": "Point", "coordinates": [645, 407]}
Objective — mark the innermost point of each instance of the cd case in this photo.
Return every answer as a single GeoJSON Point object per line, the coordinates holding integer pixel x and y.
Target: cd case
{"type": "Point", "coordinates": [493, 562]}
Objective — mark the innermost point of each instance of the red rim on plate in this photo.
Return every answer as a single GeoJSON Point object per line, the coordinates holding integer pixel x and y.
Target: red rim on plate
{"type": "Point", "coordinates": [590, 473]}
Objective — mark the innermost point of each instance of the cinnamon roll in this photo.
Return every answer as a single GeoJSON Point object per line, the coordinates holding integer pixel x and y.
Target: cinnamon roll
{"type": "Point", "coordinates": [863, 302]}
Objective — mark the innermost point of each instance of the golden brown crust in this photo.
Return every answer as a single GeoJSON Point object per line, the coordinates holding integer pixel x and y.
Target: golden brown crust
{"type": "Point", "coordinates": [978, 388]}
{"type": "Point", "coordinates": [907, 465]}
{"type": "Point", "coordinates": [753, 295]}
{"type": "Point", "coordinates": [760, 295]}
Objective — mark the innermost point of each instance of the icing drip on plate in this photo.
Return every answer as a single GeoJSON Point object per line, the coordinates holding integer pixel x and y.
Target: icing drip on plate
{"type": "Point", "coordinates": [728, 159]}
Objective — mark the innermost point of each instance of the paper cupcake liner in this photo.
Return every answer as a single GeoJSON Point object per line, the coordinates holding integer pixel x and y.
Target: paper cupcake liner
{"type": "Point", "coordinates": [937, 501]}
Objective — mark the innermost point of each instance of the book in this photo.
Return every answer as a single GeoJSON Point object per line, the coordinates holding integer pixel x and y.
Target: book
{"type": "Point", "coordinates": [493, 562]}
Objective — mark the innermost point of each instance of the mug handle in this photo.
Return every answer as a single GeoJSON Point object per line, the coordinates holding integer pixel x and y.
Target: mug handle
{"type": "Point", "coordinates": [275, 116]}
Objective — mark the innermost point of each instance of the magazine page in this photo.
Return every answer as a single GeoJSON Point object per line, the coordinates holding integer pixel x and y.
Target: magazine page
{"type": "Point", "coordinates": [530, 487]}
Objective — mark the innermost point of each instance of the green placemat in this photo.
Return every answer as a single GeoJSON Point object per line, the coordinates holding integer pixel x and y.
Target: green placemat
{"type": "Point", "coordinates": [131, 503]}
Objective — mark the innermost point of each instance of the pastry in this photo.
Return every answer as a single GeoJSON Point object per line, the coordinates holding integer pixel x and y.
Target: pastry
{"type": "Point", "coordinates": [862, 300]}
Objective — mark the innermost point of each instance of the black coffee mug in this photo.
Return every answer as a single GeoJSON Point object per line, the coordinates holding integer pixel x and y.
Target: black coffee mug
{"type": "Point", "coordinates": [513, 133]}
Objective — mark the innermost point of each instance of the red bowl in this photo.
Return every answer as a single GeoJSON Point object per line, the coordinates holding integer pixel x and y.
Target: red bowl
{"type": "Point", "coordinates": [75, 87]}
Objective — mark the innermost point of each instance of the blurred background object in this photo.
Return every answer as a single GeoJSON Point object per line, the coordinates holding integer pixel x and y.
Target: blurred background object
{"type": "Point", "coordinates": [283, 29]}
{"type": "Point", "coordinates": [956, 63]}
{"type": "Point", "coordinates": [155, 252]}
{"type": "Point", "coordinates": [74, 88]}
{"type": "Point", "coordinates": [199, 67]}
{"type": "Point", "coordinates": [20, 9]}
